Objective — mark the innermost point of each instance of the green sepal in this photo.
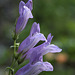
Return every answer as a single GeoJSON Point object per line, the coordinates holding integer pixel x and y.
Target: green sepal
{"type": "Point", "coordinates": [20, 66]}
{"type": "Point", "coordinates": [17, 45]}
{"type": "Point", "coordinates": [10, 69]}
{"type": "Point", "coordinates": [15, 36]}
{"type": "Point", "coordinates": [21, 60]}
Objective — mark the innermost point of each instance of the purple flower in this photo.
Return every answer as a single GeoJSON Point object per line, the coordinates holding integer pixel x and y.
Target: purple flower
{"type": "Point", "coordinates": [35, 53]}
{"type": "Point", "coordinates": [34, 37]}
{"type": "Point", "coordinates": [34, 69]}
{"type": "Point", "coordinates": [25, 14]}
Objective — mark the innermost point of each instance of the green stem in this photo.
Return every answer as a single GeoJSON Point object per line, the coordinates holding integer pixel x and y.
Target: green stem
{"type": "Point", "coordinates": [14, 47]}
{"type": "Point", "coordinates": [9, 72]}
{"type": "Point", "coordinates": [13, 61]}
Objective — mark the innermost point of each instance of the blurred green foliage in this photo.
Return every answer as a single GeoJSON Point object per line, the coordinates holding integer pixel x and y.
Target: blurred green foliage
{"type": "Point", "coordinates": [54, 16]}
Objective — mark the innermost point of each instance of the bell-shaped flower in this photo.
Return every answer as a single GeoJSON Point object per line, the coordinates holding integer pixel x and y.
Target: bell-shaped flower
{"type": "Point", "coordinates": [25, 14]}
{"type": "Point", "coordinates": [35, 69]}
{"type": "Point", "coordinates": [34, 37]}
{"type": "Point", "coordinates": [35, 53]}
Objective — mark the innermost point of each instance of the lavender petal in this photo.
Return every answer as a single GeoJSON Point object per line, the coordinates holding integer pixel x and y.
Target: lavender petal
{"type": "Point", "coordinates": [35, 28]}
{"type": "Point", "coordinates": [49, 38]}
{"type": "Point", "coordinates": [35, 69]}
{"type": "Point", "coordinates": [30, 42]}
{"type": "Point", "coordinates": [29, 4]}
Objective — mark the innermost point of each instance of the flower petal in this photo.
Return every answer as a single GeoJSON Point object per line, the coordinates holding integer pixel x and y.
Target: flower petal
{"type": "Point", "coordinates": [27, 12]}
{"type": "Point", "coordinates": [49, 38]}
{"type": "Point", "coordinates": [35, 69]}
{"type": "Point", "coordinates": [29, 4]}
{"type": "Point", "coordinates": [21, 4]}
{"type": "Point", "coordinates": [39, 67]}
{"type": "Point", "coordinates": [35, 28]}
{"type": "Point", "coordinates": [51, 48]}
{"type": "Point", "coordinates": [31, 41]}
{"type": "Point", "coordinates": [20, 24]}
{"type": "Point", "coordinates": [35, 53]}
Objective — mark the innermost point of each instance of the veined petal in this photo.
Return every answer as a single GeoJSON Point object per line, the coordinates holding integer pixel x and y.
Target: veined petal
{"type": "Point", "coordinates": [33, 52]}
{"type": "Point", "coordinates": [21, 4]}
{"type": "Point", "coordinates": [24, 10]}
{"type": "Point", "coordinates": [20, 24]}
{"type": "Point", "coordinates": [35, 69]}
{"type": "Point", "coordinates": [29, 4]}
{"type": "Point", "coordinates": [51, 48]}
{"type": "Point", "coordinates": [49, 38]}
{"type": "Point", "coordinates": [41, 58]}
{"type": "Point", "coordinates": [35, 57]}
{"type": "Point", "coordinates": [35, 28]}
{"type": "Point", "coordinates": [39, 67]}
{"type": "Point", "coordinates": [27, 12]}
{"type": "Point", "coordinates": [31, 41]}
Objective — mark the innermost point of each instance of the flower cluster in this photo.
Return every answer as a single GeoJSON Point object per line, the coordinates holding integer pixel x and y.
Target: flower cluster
{"type": "Point", "coordinates": [27, 49]}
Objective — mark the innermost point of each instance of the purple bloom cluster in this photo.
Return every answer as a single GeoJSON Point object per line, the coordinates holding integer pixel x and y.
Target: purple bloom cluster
{"type": "Point", "coordinates": [29, 52]}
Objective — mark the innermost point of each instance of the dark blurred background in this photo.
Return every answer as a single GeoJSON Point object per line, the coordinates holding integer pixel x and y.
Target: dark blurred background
{"type": "Point", "coordinates": [56, 17]}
